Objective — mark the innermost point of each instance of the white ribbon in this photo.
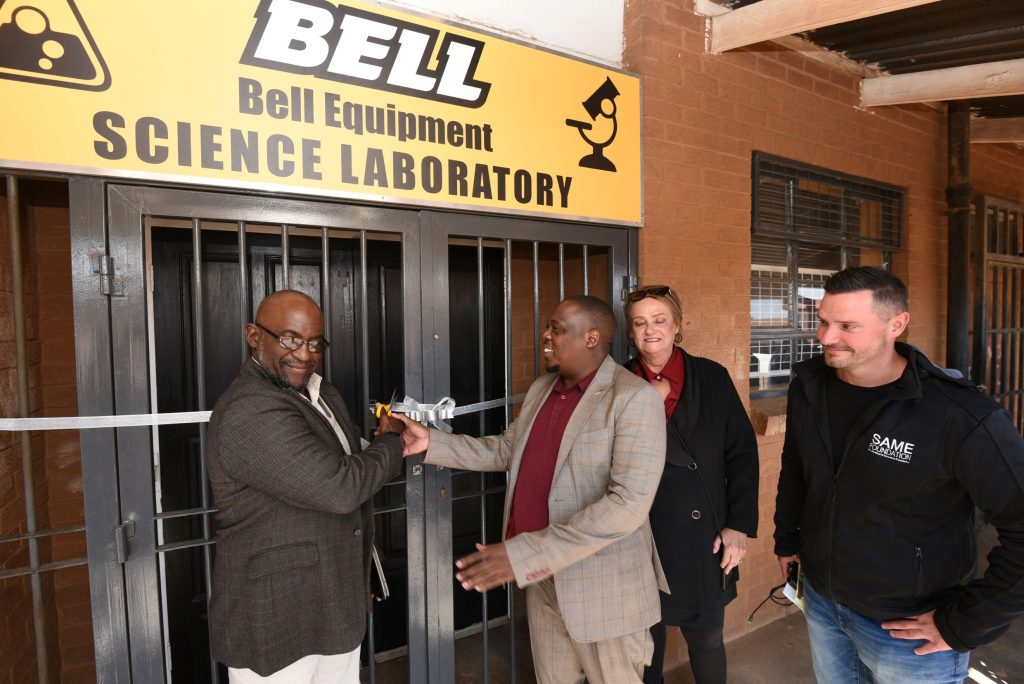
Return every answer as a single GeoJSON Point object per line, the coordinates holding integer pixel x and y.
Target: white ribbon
{"type": "Point", "coordinates": [82, 422]}
{"type": "Point", "coordinates": [425, 413]}
{"type": "Point", "coordinates": [442, 410]}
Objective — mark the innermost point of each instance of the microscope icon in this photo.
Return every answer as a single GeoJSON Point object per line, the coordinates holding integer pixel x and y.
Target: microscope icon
{"type": "Point", "coordinates": [600, 104]}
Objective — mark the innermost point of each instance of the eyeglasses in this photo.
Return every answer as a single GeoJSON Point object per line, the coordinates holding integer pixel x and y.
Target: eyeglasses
{"type": "Point", "coordinates": [317, 345]}
{"type": "Point", "coordinates": [653, 291]}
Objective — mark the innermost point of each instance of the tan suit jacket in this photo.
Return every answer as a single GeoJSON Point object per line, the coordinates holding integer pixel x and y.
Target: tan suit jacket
{"type": "Point", "coordinates": [598, 543]}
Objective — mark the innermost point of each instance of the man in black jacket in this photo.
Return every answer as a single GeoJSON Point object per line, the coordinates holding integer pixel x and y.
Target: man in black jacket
{"type": "Point", "coordinates": [885, 459]}
{"type": "Point", "coordinates": [293, 488]}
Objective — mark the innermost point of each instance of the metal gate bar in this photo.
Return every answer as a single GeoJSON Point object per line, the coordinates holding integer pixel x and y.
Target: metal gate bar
{"type": "Point", "coordinates": [561, 271]}
{"type": "Point", "coordinates": [482, 396]}
{"type": "Point", "coordinates": [586, 270]}
{"type": "Point", "coordinates": [364, 333]}
{"type": "Point", "coordinates": [245, 305]}
{"type": "Point", "coordinates": [364, 359]}
{"type": "Point", "coordinates": [507, 294]}
{"type": "Point", "coordinates": [200, 370]}
{"type": "Point", "coordinates": [536, 307]}
{"type": "Point", "coordinates": [1008, 386]}
{"type": "Point", "coordinates": [286, 262]}
{"type": "Point", "coordinates": [325, 301]}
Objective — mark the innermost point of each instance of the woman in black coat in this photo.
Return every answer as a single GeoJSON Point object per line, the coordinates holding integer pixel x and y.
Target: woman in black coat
{"type": "Point", "coordinates": [706, 506]}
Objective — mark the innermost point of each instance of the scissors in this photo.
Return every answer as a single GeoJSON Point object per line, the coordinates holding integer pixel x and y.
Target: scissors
{"type": "Point", "coordinates": [377, 408]}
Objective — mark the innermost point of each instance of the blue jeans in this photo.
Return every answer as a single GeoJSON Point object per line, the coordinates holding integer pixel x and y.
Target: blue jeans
{"type": "Point", "coordinates": [850, 648]}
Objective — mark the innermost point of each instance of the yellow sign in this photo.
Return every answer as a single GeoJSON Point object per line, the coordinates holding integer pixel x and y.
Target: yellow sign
{"type": "Point", "coordinates": [329, 98]}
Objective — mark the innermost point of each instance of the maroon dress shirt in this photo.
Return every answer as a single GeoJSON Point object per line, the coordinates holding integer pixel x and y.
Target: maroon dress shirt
{"type": "Point", "coordinates": [529, 511]}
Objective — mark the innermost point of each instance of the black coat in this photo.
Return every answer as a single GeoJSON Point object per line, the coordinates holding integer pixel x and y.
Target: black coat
{"type": "Point", "coordinates": [295, 524]}
{"type": "Point", "coordinates": [716, 488]}
{"type": "Point", "coordinates": [890, 531]}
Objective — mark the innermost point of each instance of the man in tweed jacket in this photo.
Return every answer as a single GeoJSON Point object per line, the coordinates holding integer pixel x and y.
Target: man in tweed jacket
{"type": "Point", "coordinates": [584, 462]}
{"type": "Point", "coordinates": [293, 490]}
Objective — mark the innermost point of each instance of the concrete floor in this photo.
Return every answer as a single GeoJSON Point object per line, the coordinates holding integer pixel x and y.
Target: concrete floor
{"type": "Point", "coordinates": [779, 652]}
{"type": "Point", "coordinates": [776, 653]}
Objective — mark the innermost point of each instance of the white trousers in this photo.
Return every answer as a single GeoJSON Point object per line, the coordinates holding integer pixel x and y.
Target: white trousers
{"type": "Point", "coordinates": [342, 668]}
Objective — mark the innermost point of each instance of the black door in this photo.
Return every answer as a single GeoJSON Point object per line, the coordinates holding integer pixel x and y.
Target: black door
{"type": "Point", "coordinates": [180, 473]}
{"type": "Point", "coordinates": [421, 303]}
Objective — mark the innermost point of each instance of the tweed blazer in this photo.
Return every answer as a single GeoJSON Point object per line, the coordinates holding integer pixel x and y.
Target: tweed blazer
{"type": "Point", "coordinates": [598, 544]}
{"type": "Point", "coordinates": [294, 524]}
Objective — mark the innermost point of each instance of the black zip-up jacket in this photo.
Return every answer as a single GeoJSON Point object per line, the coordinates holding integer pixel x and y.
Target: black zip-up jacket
{"type": "Point", "coordinates": [890, 533]}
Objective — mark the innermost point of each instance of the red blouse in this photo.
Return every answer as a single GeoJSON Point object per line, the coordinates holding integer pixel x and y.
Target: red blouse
{"type": "Point", "coordinates": [674, 372]}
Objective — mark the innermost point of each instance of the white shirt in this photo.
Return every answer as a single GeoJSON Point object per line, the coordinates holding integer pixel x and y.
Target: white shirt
{"type": "Point", "coordinates": [313, 389]}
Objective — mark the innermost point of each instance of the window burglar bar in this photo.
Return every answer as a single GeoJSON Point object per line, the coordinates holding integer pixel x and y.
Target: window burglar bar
{"type": "Point", "coordinates": [807, 223]}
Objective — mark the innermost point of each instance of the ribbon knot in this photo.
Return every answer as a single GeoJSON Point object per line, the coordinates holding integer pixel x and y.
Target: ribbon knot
{"type": "Point", "coordinates": [425, 413]}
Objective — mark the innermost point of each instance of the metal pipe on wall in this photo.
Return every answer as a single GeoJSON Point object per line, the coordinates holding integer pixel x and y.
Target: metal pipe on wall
{"type": "Point", "coordinates": [17, 292]}
{"type": "Point", "coordinates": [958, 200]}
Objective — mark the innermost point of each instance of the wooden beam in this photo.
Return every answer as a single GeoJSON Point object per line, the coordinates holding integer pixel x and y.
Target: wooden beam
{"type": "Point", "coordinates": [1004, 130]}
{"type": "Point", "coordinates": [769, 19]}
{"type": "Point", "coordinates": [992, 79]}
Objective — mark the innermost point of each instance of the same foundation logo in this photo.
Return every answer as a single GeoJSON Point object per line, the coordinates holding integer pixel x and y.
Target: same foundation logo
{"type": "Point", "coordinates": [48, 42]}
{"type": "Point", "coordinates": [891, 448]}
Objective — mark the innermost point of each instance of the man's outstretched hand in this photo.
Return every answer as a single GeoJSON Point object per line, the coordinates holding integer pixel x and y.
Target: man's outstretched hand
{"type": "Point", "coordinates": [486, 569]}
{"type": "Point", "coordinates": [387, 423]}
{"type": "Point", "coordinates": [415, 438]}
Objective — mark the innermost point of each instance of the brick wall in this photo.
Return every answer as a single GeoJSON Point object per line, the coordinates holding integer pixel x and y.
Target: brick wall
{"type": "Point", "coordinates": [704, 116]}
{"type": "Point", "coordinates": [56, 456]}
{"type": "Point", "coordinates": [996, 171]}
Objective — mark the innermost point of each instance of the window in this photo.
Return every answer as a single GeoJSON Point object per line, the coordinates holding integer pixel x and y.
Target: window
{"type": "Point", "coordinates": [807, 223]}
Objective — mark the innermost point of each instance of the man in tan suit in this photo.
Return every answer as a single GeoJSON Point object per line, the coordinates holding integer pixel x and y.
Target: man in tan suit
{"type": "Point", "coordinates": [584, 465]}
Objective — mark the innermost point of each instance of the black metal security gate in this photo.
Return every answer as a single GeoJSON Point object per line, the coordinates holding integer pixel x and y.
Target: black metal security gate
{"type": "Point", "coordinates": [425, 303]}
{"type": "Point", "coordinates": [999, 303]}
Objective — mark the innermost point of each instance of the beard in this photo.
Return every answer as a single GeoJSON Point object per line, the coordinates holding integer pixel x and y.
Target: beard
{"type": "Point", "coordinates": [841, 362]}
{"type": "Point", "coordinates": [552, 369]}
{"type": "Point", "coordinates": [282, 382]}
{"type": "Point", "coordinates": [278, 378]}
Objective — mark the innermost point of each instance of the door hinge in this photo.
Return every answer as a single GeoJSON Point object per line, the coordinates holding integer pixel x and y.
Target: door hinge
{"type": "Point", "coordinates": [103, 266]}
{"type": "Point", "coordinates": [629, 283]}
{"type": "Point", "coordinates": [122, 533]}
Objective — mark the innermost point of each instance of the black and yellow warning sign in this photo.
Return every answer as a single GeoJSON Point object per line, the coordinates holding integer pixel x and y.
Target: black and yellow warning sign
{"type": "Point", "coordinates": [343, 99]}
